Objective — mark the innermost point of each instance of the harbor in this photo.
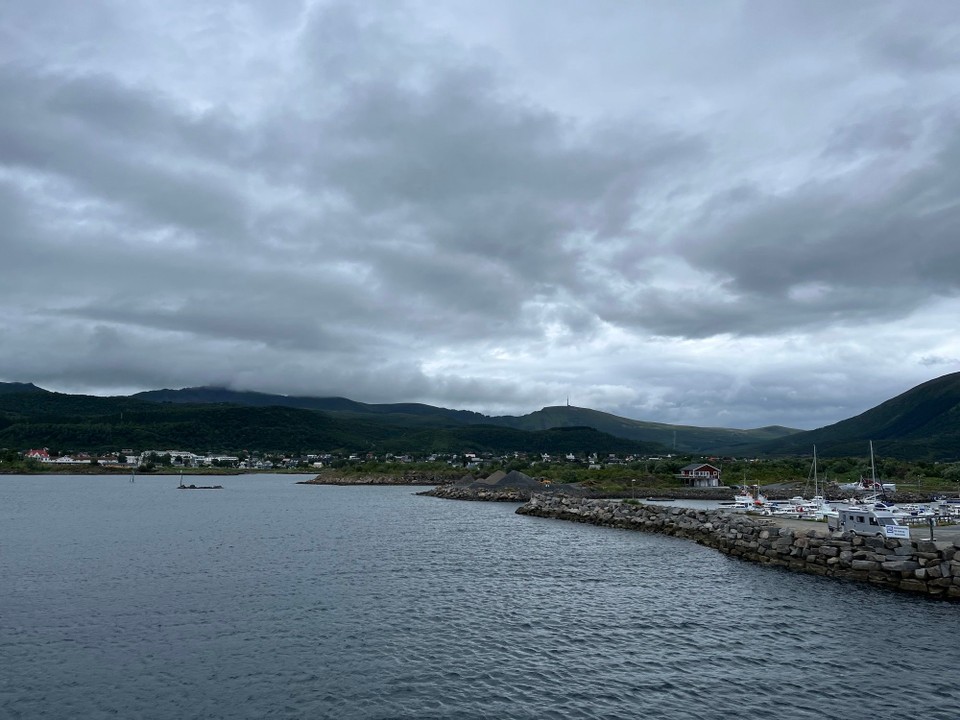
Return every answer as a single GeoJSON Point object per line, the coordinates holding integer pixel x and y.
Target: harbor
{"type": "Point", "coordinates": [906, 564]}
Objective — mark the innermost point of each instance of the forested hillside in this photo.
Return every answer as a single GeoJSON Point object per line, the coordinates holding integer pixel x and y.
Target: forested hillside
{"type": "Point", "coordinates": [920, 424]}
{"type": "Point", "coordinates": [98, 424]}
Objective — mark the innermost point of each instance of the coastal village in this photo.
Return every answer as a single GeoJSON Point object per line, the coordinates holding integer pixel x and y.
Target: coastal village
{"type": "Point", "coordinates": [698, 474]}
{"type": "Point", "coordinates": [177, 458]}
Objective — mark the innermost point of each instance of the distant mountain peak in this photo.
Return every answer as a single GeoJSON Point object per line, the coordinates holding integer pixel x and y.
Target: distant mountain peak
{"type": "Point", "coordinates": [921, 423]}
{"type": "Point", "coordinates": [18, 387]}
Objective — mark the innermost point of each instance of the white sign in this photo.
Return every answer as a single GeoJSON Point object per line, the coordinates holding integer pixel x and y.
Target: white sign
{"type": "Point", "coordinates": [896, 531]}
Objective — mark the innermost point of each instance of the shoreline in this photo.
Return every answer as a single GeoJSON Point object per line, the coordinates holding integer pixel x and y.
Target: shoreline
{"type": "Point", "coordinates": [193, 472]}
{"type": "Point", "coordinates": [918, 566]}
{"type": "Point", "coordinates": [413, 479]}
{"type": "Point", "coordinates": [456, 491]}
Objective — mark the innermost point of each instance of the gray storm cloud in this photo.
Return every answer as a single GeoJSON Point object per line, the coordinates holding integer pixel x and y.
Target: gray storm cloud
{"type": "Point", "coordinates": [660, 209]}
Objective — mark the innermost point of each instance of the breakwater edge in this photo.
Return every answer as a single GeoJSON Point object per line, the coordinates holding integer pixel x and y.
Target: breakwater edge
{"type": "Point", "coordinates": [458, 492]}
{"type": "Point", "coordinates": [411, 478]}
{"type": "Point", "coordinates": [925, 567]}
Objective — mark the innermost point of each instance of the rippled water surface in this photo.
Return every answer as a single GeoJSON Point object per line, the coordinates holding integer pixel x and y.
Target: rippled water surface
{"type": "Point", "coordinates": [274, 600]}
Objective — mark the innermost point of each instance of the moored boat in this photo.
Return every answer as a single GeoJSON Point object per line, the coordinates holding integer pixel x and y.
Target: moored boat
{"type": "Point", "coordinates": [181, 486]}
{"type": "Point", "coordinates": [817, 507]}
{"type": "Point", "coordinates": [863, 485]}
{"type": "Point", "coordinates": [746, 501]}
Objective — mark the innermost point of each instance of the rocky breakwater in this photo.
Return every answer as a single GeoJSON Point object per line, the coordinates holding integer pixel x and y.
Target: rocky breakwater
{"type": "Point", "coordinates": [498, 487]}
{"type": "Point", "coordinates": [931, 568]}
{"type": "Point", "coordinates": [415, 478]}
{"type": "Point", "coordinates": [458, 492]}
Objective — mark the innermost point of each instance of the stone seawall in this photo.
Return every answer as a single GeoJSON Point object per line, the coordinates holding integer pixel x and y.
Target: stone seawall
{"type": "Point", "coordinates": [917, 566]}
{"type": "Point", "coordinates": [457, 492]}
{"type": "Point", "coordinates": [408, 479]}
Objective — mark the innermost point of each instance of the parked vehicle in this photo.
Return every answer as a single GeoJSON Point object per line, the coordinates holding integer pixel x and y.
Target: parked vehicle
{"type": "Point", "coordinates": [868, 521]}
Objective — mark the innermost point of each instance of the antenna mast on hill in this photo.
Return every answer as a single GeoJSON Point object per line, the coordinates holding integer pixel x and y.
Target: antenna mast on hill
{"type": "Point", "coordinates": [568, 401]}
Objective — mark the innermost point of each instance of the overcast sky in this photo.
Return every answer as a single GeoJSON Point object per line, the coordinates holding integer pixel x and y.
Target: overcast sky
{"type": "Point", "coordinates": [718, 212]}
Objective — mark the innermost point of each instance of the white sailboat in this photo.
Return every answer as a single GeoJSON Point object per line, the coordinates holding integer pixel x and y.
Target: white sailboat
{"type": "Point", "coordinates": [816, 508]}
{"type": "Point", "coordinates": [872, 485]}
{"type": "Point", "coordinates": [876, 501]}
{"type": "Point", "coordinates": [819, 505]}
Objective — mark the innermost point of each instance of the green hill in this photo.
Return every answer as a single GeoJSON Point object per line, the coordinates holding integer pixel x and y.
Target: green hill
{"type": "Point", "coordinates": [500, 440]}
{"type": "Point", "coordinates": [82, 422]}
{"type": "Point", "coordinates": [404, 413]}
{"type": "Point", "coordinates": [681, 438]}
{"type": "Point", "coordinates": [98, 424]}
{"type": "Point", "coordinates": [8, 388]}
{"type": "Point", "coordinates": [920, 424]}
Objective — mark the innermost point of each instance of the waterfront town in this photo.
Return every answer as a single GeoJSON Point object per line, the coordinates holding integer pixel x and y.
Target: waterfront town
{"type": "Point", "coordinates": [698, 474]}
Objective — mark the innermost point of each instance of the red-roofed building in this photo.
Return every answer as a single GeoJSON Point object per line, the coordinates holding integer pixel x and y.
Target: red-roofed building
{"type": "Point", "coordinates": [700, 475]}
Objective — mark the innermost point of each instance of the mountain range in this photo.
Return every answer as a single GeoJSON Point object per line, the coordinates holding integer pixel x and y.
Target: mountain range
{"type": "Point", "coordinates": [683, 438]}
{"type": "Point", "coordinates": [920, 424]}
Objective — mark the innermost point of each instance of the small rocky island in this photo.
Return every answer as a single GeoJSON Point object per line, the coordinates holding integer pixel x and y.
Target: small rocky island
{"type": "Point", "coordinates": [513, 486]}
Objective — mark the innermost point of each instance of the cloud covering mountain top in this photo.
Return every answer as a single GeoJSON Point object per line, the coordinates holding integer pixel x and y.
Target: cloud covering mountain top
{"type": "Point", "coordinates": [729, 213]}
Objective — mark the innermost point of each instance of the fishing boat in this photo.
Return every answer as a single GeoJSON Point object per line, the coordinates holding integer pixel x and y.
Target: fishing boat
{"type": "Point", "coordinates": [746, 501]}
{"type": "Point", "coordinates": [181, 486]}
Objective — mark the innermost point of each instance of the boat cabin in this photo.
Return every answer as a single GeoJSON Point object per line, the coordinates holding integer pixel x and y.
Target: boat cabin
{"type": "Point", "coordinates": [868, 521]}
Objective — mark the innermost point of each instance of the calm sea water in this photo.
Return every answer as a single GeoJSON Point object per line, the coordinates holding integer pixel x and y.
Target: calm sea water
{"type": "Point", "coordinates": [274, 600]}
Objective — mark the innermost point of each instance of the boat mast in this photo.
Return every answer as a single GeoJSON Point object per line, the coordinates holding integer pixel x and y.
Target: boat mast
{"type": "Point", "coordinates": [877, 488]}
{"type": "Point", "coordinates": [815, 483]}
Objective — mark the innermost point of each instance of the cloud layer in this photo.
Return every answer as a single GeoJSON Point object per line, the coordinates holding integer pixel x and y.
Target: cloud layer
{"type": "Point", "coordinates": [734, 213]}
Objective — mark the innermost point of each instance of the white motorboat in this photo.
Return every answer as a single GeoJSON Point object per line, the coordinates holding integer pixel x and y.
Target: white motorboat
{"type": "Point", "coordinates": [746, 501]}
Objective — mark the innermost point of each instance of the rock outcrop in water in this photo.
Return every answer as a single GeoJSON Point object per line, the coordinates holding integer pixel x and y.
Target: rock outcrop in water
{"type": "Point", "coordinates": [455, 492]}
{"type": "Point", "coordinates": [513, 486]}
{"type": "Point", "coordinates": [919, 566]}
{"type": "Point", "coordinates": [413, 478]}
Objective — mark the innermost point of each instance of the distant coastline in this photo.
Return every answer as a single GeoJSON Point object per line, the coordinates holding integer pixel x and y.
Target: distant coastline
{"type": "Point", "coordinates": [79, 469]}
